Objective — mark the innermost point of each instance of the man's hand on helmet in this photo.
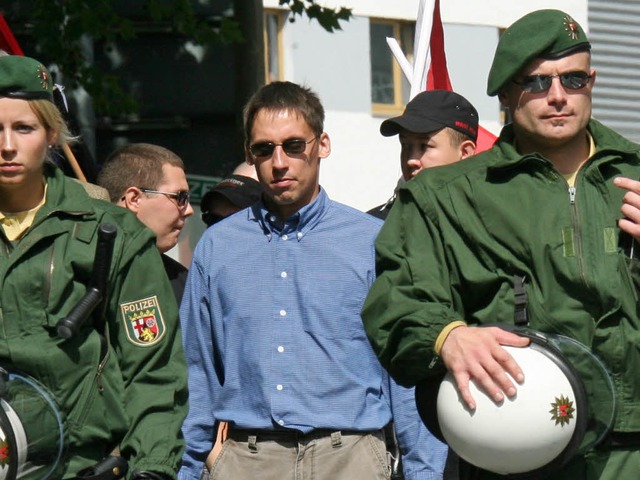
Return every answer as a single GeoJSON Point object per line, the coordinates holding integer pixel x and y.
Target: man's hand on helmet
{"type": "Point", "coordinates": [472, 353]}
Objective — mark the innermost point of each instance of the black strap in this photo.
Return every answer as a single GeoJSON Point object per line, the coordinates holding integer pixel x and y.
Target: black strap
{"type": "Point", "coordinates": [520, 296]}
{"type": "Point", "coordinates": [110, 468]}
{"type": "Point", "coordinates": [145, 475]}
{"type": "Point", "coordinates": [620, 440]}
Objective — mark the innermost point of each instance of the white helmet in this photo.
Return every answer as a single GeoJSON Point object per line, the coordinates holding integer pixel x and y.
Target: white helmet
{"type": "Point", "coordinates": [565, 406]}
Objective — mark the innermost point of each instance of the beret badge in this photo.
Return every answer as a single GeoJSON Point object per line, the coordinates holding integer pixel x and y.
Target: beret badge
{"type": "Point", "coordinates": [43, 75]}
{"type": "Point", "coordinates": [571, 26]}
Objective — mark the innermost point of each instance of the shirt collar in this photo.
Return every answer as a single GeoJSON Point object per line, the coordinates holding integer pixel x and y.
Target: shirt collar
{"type": "Point", "coordinates": [298, 224]}
{"type": "Point", "coordinates": [16, 224]}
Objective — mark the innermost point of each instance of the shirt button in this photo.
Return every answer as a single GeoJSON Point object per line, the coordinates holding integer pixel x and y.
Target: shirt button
{"type": "Point", "coordinates": [285, 237]}
{"type": "Point", "coordinates": [281, 423]}
{"type": "Point", "coordinates": [283, 313]}
{"type": "Point", "coordinates": [281, 349]}
{"type": "Point", "coordinates": [272, 218]}
{"type": "Point", "coordinates": [279, 387]}
{"type": "Point", "coordinates": [283, 274]}
{"type": "Point", "coordinates": [299, 235]}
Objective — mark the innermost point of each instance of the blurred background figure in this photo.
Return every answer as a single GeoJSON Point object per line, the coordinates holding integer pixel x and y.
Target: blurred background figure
{"type": "Point", "coordinates": [234, 193]}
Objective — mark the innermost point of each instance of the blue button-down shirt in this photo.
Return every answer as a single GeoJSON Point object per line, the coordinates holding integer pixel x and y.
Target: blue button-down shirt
{"type": "Point", "coordinates": [273, 334]}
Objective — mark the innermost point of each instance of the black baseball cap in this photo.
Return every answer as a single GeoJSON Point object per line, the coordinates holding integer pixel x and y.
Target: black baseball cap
{"type": "Point", "coordinates": [432, 110]}
{"type": "Point", "coordinates": [241, 191]}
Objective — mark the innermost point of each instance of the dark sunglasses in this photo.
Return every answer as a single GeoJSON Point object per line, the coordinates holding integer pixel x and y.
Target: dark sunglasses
{"type": "Point", "coordinates": [542, 83]}
{"type": "Point", "coordinates": [182, 197]}
{"type": "Point", "coordinates": [291, 147]}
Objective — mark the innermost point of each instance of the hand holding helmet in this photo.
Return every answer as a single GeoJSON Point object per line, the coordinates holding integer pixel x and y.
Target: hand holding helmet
{"type": "Point", "coordinates": [564, 406]}
{"type": "Point", "coordinates": [471, 353]}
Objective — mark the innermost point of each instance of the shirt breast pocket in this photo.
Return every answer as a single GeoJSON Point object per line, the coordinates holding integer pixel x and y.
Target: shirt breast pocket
{"type": "Point", "coordinates": [332, 310]}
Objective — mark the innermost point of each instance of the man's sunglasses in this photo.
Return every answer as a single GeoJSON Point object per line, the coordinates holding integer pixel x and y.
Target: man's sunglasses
{"type": "Point", "coordinates": [294, 146]}
{"type": "Point", "coordinates": [181, 197]}
{"type": "Point", "coordinates": [542, 83]}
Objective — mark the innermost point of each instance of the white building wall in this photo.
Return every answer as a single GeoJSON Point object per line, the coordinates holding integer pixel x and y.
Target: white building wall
{"type": "Point", "coordinates": [363, 168]}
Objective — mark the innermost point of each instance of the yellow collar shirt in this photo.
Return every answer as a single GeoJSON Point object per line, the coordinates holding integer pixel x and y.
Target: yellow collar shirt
{"type": "Point", "coordinates": [16, 224]}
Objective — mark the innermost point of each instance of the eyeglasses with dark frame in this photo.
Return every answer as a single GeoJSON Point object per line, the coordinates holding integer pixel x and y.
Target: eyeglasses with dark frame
{"type": "Point", "coordinates": [294, 146]}
{"type": "Point", "coordinates": [542, 83]}
{"type": "Point", "coordinates": [181, 197]}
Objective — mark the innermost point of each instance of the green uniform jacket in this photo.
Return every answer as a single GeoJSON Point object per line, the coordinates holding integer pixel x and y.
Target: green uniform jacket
{"type": "Point", "coordinates": [457, 235]}
{"type": "Point", "coordinates": [120, 389]}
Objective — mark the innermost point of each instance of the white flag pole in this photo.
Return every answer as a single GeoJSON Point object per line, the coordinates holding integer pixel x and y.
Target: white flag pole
{"type": "Point", "coordinates": [421, 47]}
{"type": "Point", "coordinates": [397, 52]}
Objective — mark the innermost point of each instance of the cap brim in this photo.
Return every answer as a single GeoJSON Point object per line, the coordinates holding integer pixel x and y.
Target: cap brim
{"type": "Point", "coordinates": [394, 126]}
{"type": "Point", "coordinates": [237, 196]}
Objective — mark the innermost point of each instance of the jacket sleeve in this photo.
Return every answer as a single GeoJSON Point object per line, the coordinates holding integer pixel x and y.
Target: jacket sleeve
{"type": "Point", "coordinates": [410, 302]}
{"type": "Point", "coordinates": [147, 341]}
{"type": "Point", "coordinates": [198, 428]}
{"type": "Point", "coordinates": [423, 455]}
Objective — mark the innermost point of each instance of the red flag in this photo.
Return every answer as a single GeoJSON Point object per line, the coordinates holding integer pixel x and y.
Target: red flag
{"type": "Point", "coordinates": [8, 42]}
{"type": "Point", "coordinates": [438, 76]}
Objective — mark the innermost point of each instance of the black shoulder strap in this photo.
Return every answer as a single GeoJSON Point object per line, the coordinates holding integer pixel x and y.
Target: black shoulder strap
{"type": "Point", "coordinates": [520, 296]}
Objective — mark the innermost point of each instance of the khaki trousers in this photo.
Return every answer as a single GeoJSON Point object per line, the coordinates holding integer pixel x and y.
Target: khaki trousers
{"type": "Point", "coordinates": [248, 455]}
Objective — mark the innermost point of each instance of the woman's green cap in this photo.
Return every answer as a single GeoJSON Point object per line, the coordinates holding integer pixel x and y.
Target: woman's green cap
{"type": "Point", "coordinates": [25, 78]}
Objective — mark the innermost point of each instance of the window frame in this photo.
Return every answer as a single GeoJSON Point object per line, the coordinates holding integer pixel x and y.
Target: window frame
{"type": "Point", "coordinates": [279, 16]}
{"type": "Point", "coordinates": [397, 107]}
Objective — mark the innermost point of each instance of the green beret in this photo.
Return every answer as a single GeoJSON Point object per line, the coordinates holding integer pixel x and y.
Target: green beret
{"type": "Point", "coordinates": [25, 78]}
{"type": "Point", "coordinates": [541, 34]}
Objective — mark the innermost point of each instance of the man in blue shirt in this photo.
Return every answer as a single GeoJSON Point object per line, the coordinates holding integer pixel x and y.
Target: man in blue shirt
{"type": "Point", "coordinates": [291, 370]}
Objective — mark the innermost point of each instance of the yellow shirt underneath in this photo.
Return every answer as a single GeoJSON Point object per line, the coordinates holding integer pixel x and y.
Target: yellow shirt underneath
{"type": "Point", "coordinates": [571, 177]}
{"type": "Point", "coordinates": [15, 224]}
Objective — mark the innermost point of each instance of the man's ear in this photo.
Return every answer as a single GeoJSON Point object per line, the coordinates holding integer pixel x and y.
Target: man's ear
{"type": "Point", "coordinates": [324, 143]}
{"type": "Point", "coordinates": [502, 97]}
{"type": "Point", "coordinates": [593, 78]}
{"type": "Point", "coordinates": [467, 148]}
{"type": "Point", "coordinates": [131, 199]}
{"type": "Point", "coordinates": [247, 156]}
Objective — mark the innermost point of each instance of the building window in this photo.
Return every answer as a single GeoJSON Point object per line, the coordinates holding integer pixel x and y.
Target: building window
{"type": "Point", "coordinates": [273, 21]}
{"type": "Point", "coordinates": [389, 88]}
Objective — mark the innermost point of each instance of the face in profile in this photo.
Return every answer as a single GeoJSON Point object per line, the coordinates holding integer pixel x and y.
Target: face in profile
{"type": "Point", "coordinates": [162, 213]}
{"type": "Point", "coordinates": [426, 150]}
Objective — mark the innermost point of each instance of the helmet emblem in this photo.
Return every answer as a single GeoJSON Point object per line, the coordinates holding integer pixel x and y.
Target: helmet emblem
{"type": "Point", "coordinates": [562, 410]}
{"type": "Point", "coordinates": [5, 456]}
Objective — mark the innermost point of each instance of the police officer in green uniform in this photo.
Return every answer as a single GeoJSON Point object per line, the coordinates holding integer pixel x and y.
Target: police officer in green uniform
{"type": "Point", "coordinates": [120, 381]}
{"type": "Point", "coordinates": [549, 214]}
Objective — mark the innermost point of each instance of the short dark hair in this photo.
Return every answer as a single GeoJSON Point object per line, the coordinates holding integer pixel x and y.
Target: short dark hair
{"type": "Point", "coordinates": [278, 96]}
{"type": "Point", "coordinates": [135, 165]}
{"type": "Point", "coordinates": [456, 137]}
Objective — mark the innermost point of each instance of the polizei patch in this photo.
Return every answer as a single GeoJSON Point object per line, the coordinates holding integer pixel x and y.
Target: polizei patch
{"type": "Point", "coordinates": [143, 321]}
